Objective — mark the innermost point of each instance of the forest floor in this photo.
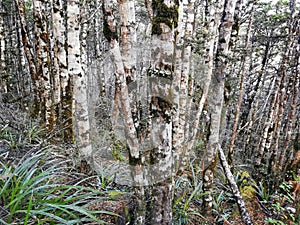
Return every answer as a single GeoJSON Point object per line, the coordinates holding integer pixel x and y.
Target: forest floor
{"type": "Point", "coordinates": [42, 181]}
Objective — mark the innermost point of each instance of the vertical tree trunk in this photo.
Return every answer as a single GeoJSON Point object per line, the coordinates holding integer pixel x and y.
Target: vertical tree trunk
{"type": "Point", "coordinates": [212, 21]}
{"type": "Point", "coordinates": [183, 80]}
{"type": "Point", "coordinates": [29, 53]}
{"type": "Point", "coordinates": [216, 101]}
{"type": "Point", "coordinates": [42, 60]}
{"type": "Point", "coordinates": [59, 60]}
{"type": "Point", "coordinates": [3, 84]}
{"type": "Point", "coordinates": [63, 83]}
{"type": "Point", "coordinates": [79, 78]}
{"type": "Point", "coordinates": [245, 59]}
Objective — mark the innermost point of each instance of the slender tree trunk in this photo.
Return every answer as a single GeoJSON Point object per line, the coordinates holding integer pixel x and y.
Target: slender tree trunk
{"type": "Point", "coordinates": [293, 84]}
{"type": "Point", "coordinates": [245, 59]}
{"type": "Point", "coordinates": [216, 102]}
{"type": "Point", "coordinates": [183, 79]}
{"type": "Point", "coordinates": [234, 188]}
{"type": "Point", "coordinates": [63, 83]}
{"type": "Point", "coordinates": [29, 53]}
{"type": "Point", "coordinates": [42, 60]}
{"type": "Point", "coordinates": [3, 84]}
{"type": "Point", "coordinates": [212, 13]}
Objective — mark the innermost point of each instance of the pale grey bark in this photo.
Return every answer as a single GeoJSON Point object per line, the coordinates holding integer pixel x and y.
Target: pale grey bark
{"type": "Point", "coordinates": [3, 83]}
{"type": "Point", "coordinates": [216, 99]}
{"type": "Point", "coordinates": [60, 55]}
{"type": "Point", "coordinates": [42, 60]}
{"type": "Point", "coordinates": [210, 29]}
{"type": "Point", "coordinates": [234, 188]}
{"type": "Point", "coordinates": [79, 78]}
{"type": "Point", "coordinates": [182, 80]}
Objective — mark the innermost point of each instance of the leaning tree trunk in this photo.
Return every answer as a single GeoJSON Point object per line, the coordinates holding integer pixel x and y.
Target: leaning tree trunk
{"type": "Point", "coordinates": [234, 188]}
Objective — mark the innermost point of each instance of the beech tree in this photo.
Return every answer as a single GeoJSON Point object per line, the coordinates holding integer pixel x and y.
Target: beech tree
{"type": "Point", "coordinates": [146, 87]}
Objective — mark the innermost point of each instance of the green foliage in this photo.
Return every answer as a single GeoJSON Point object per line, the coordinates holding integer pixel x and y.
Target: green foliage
{"type": "Point", "coordinates": [28, 6]}
{"type": "Point", "coordinates": [246, 184]}
{"type": "Point", "coordinates": [18, 139]}
{"type": "Point", "coordinates": [263, 192]}
{"type": "Point", "coordinates": [274, 221]}
{"type": "Point", "coordinates": [282, 216]}
{"type": "Point", "coordinates": [164, 14]}
{"type": "Point", "coordinates": [190, 192]}
{"type": "Point", "coordinates": [117, 151]}
{"type": "Point", "coordinates": [36, 191]}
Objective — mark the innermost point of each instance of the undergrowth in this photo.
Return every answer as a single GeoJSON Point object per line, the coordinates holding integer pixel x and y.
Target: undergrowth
{"type": "Point", "coordinates": [39, 183]}
{"type": "Point", "coordinates": [37, 191]}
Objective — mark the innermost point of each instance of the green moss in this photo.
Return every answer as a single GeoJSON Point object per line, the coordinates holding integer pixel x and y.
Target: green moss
{"type": "Point", "coordinates": [246, 185]}
{"type": "Point", "coordinates": [164, 14]}
{"type": "Point", "coordinates": [248, 192]}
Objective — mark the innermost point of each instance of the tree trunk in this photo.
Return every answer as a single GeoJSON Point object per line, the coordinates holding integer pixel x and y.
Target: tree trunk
{"type": "Point", "coordinates": [3, 83]}
{"type": "Point", "coordinates": [216, 102]}
{"type": "Point", "coordinates": [79, 78]}
{"type": "Point", "coordinates": [42, 60]}
{"type": "Point", "coordinates": [245, 59]}
{"type": "Point", "coordinates": [234, 188]}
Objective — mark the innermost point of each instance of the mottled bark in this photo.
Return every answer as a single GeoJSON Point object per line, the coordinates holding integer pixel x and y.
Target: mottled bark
{"type": "Point", "coordinates": [29, 53]}
{"type": "Point", "coordinates": [182, 81]}
{"type": "Point", "coordinates": [79, 78]}
{"type": "Point", "coordinates": [212, 18]}
{"type": "Point", "coordinates": [3, 83]}
{"type": "Point", "coordinates": [234, 188]}
{"type": "Point", "coordinates": [60, 72]}
{"type": "Point", "coordinates": [245, 61]}
{"type": "Point", "coordinates": [42, 61]}
{"type": "Point", "coordinates": [216, 99]}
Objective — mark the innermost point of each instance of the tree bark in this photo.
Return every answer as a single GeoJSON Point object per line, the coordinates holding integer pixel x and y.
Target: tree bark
{"type": "Point", "coordinates": [245, 59]}
{"type": "Point", "coordinates": [42, 60]}
{"type": "Point", "coordinates": [234, 188]}
{"type": "Point", "coordinates": [3, 83]}
{"type": "Point", "coordinates": [79, 78]}
{"type": "Point", "coordinates": [216, 102]}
